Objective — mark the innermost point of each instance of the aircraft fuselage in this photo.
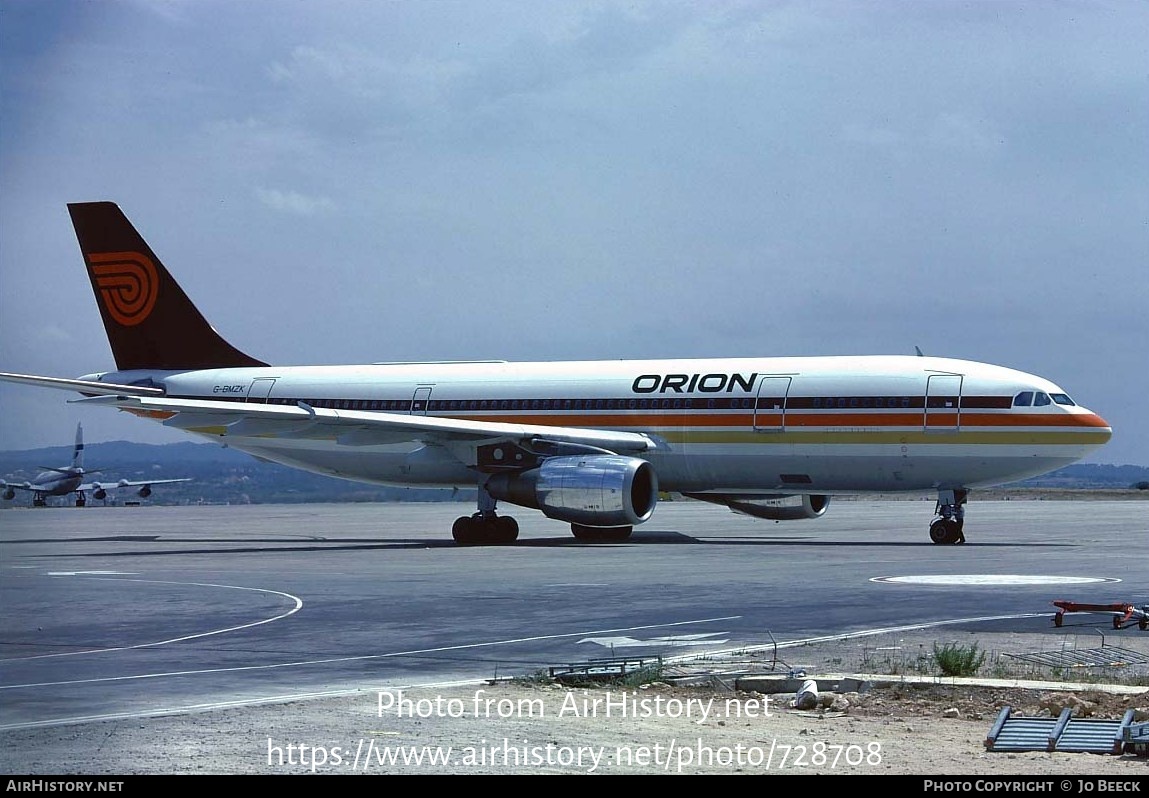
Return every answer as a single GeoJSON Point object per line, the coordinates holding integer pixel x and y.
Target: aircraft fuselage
{"type": "Point", "coordinates": [817, 425]}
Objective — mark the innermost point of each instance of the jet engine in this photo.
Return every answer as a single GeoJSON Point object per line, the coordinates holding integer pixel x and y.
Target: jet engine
{"type": "Point", "coordinates": [99, 494]}
{"type": "Point", "coordinates": [144, 492]}
{"type": "Point", "coordinates": [9, 493]}
{"type": "Point", "coordinates": [773, 507]}
{"type": "Point", "coordinates": [593, 490]}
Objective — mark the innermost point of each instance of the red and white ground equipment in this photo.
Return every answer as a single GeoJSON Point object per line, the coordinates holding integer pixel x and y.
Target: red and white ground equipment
{"type": "Point", "coordinates": [1122, 613]}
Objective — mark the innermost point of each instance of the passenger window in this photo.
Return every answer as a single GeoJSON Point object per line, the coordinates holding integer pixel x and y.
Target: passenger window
{"type": "Point", "coordinates": [1023, 399]}
{"type": "Point", "coordinates": [1041, 399]}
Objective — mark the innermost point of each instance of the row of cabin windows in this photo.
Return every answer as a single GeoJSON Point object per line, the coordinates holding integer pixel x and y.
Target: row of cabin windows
{"type": "Point", "coordinates": [734, 403]}
{"type": "Point", "coordinates": [462, 405]}
{"type": "Point", "coordinates": [864, 402]}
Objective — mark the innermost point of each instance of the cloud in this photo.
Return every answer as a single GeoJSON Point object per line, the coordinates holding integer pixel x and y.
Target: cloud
{"type": "Point", "coordinates": [294, 202]}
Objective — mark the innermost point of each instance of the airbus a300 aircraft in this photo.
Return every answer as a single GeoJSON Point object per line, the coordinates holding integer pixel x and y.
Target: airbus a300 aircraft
{"type": "Point", "coordinates": [62, 481]}
{"type": "Point", "coordinates": [588, 443]}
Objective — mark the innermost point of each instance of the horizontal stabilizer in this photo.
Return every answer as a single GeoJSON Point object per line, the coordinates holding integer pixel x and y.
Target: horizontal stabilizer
{"type": "Point", "coordinates": [82, 386]}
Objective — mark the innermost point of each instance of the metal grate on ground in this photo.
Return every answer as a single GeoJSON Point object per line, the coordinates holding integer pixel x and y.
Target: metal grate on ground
{"type": "Point", "coordinates": [1103, 657]}
{"type": "Point", "coordinates": [603, 670]}
{"type": "Point", "coordinates": [1137, 739]}
{"type": "Point", "coordinates": [1063, 733]}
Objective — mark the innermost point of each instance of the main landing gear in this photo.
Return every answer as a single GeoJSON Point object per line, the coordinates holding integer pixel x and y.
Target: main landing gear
{"type": "Point", "coordinates": [485, 528]}
{"type": "Point", "coordinates": [951, 507]}
{"type": "Point", "coordinates": [488, 528]}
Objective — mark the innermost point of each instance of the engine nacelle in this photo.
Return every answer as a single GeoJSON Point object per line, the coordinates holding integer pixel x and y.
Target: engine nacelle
{"type": "Point", "coordinates": [593, 490]}
{"type": "Point", "coordinates": [144, 492]}
{"type": "Point", "coordinates": [771, 507]}
{"type": "Point", "coordinates": [9, 493]}
{"type": "Point", "coordinates": [99, 494]}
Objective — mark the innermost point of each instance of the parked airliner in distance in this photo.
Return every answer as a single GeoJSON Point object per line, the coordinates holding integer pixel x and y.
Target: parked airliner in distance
{"type": "Point", "coordinates": [70, 479]}
{"type": "Point", "coordinates": [592, 444]}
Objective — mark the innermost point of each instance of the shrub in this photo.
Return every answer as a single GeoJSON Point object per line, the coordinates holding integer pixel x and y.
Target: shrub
{"type": "Point", "coordinates": [958, 660]}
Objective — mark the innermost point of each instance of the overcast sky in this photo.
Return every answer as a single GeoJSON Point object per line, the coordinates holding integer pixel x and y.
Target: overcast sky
{"type": "Point", "coordinates": [344, 182]}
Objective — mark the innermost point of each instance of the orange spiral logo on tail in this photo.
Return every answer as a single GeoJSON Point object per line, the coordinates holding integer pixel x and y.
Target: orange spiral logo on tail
{"type": "Point", "coordinates": [128, 284]}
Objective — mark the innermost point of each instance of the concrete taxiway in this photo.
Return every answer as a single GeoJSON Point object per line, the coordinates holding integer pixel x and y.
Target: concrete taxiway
{"type": "Point", "coordinates": [137, 611]}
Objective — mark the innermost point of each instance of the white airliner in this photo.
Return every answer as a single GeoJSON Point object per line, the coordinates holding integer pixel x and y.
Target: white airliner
{"type": "Point", "coordinates": [70, 479]}
{"type": "Point", "coordinates": [589, 443]}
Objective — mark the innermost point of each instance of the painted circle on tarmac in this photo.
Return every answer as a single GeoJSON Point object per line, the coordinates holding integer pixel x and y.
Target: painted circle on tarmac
{"type": "Point", "coordinates": [994, 579]}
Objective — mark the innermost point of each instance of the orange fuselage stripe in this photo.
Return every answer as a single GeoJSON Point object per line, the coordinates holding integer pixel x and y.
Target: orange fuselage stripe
{"type": "Point", "coordinates": [794, 418]}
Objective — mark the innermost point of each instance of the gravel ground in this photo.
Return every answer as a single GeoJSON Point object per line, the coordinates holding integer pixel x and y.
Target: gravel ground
{"type": "Point", "coordinates": [528, 726]}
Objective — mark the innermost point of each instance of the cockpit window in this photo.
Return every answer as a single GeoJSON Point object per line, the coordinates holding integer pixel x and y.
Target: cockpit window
{"type": "Point", "coordinates": [1023, 399]}
{"type": "Point", "coordinates": [1062, 399]}
{"type": "Point", "coordinates": [1040, 399]}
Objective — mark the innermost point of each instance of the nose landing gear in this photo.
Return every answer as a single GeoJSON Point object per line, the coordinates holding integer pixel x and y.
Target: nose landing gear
{"type": "Point", "coordinates": [951, 507]}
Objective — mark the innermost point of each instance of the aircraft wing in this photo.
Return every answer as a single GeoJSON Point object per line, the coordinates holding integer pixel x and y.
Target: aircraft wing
{"type": "Point", "coordinates": [365, 428]}
{"type": "Point", "coordinates": [127, 483]}
{"type": "Point", "coordinates": [346, 427]}
{"type": "Point", "coordinates": [15, 485]}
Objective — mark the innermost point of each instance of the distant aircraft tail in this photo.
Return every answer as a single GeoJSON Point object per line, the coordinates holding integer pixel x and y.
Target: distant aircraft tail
{"type": "Point", "coordinates": [77, 466]}
{"type": "Point", "coordinates": [78, 449]}
{"type": "Point", "coordinates": [150, 322]}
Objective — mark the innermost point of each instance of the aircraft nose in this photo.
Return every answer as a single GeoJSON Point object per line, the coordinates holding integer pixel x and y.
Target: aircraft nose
{"type": "Point", "coordinates": [1101, 428]}
{"type": "Point", "coordinates": [1107, 429]}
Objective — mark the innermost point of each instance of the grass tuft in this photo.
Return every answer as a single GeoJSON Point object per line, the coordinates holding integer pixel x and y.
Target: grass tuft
{"type": "Point", "coordinates": [958, 660]}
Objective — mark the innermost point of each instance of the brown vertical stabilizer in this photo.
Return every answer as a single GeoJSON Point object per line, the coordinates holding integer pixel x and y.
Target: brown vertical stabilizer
{"type": "Point", "coordinates": [150, 322]}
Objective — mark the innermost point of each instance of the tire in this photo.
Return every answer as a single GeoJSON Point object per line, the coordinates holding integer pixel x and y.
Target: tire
{"type": "Point", "coordinates": [584, 533]}
{"type": "Point", "coordinates": [477, 531]}
{"type": "Point", "coordinates": [601, 534]}
{"type": "Point", "coordinates": [943, 531]}
{"type": "Point", "coordinates": [506, 529]}
{"type": "Point", "coordinates": [463, 531]}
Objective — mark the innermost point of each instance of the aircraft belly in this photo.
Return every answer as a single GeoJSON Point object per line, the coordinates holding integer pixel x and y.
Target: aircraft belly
{"type": "Point", "coordinates": [828, 468]}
